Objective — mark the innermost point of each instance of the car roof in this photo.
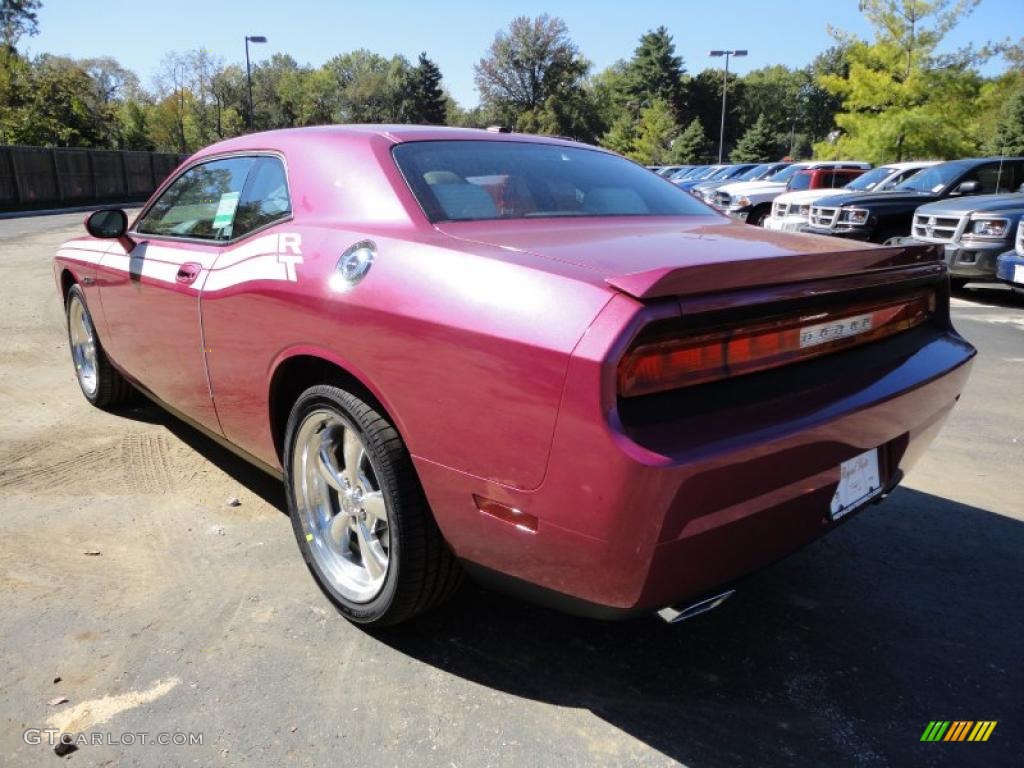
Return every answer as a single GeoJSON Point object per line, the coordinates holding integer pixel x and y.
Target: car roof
{"type": "Point", "coordinates": [907, 164]}
{"type": "Point", "coordinates": [395, 134]}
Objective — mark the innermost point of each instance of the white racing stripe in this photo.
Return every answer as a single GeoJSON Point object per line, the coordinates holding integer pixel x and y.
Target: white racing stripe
{"type": "Point", "coordinates": [269, 257]}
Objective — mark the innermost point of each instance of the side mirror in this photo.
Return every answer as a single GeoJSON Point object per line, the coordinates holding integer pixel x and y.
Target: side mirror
{"type": "Point", "coordinates": [107, 223]}
{"type": "Point", "coordinates": [967, 188]}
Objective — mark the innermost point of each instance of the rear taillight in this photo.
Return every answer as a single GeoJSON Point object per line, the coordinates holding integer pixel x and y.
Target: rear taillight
{"type": "Point", "coordinates": [660, 363]}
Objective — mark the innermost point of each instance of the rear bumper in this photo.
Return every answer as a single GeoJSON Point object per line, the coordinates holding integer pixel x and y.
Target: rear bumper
{"type": "Point", "coordinates": [654, 504]}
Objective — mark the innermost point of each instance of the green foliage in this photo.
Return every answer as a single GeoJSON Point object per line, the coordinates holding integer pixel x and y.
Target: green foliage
{"type": "Point", "coordinates": [899, 99]}
{"type": "Point", "coordinates": [18, 18]}
{"type": "Point", "coordinates": [621, 136]}
{"type": "Point", "coordinates": [704, 97]}
{"type": "Point", "coordinates": [425, 101]}
{"type": "Point", "coordinates": [758, 145]}
{"type": "Point", "coordinates": [691, 146]}
{"type": "Point", "coordinates": [1009, 134]}
{"type": "Point", "coordinates": [655, 72]}
{"type": "Point", "coordinates": [526, 65]}
{"type": "Point", "coordinates": [892, 96]}
{"type": "Point", "coordinates": [655, 134]}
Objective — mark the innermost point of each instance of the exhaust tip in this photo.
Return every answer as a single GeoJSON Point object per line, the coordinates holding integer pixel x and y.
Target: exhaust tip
{"type": "Point", "coordinates": [675, 614]}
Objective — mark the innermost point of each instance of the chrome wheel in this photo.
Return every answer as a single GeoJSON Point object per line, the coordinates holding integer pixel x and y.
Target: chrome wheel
{"type": "Point", "coordinates": [340, 505]}
{"type": "Point", "coordinates": [83, 346]}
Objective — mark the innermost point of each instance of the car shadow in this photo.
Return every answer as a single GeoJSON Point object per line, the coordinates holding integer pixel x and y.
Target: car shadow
{"type": "Point", "coordinates": [252, 478]}
{"type": "Point", "coordinates": [990, 294]}
{"type": "Point", "coordinates": [839, 655]}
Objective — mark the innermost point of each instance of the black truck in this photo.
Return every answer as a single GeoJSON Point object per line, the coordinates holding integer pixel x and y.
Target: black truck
{"type": "Point", "coordinates": [883, 217]}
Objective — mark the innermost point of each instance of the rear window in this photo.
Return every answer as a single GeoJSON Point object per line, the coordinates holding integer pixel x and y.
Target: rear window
{"type": "Point", "coordinates": [481, 180]}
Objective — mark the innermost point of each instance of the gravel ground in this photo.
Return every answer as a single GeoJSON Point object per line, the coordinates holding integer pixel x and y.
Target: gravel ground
{"type": "Point", "coordinates": [197, 617]}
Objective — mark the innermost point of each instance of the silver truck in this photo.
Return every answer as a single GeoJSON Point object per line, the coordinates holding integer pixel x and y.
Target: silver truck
{"type": "Point", "coordinates": [975, 230]}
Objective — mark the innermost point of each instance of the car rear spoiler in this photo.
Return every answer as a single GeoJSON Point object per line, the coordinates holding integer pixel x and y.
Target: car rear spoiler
{"type": "Point", "coordinates": [753, 273]}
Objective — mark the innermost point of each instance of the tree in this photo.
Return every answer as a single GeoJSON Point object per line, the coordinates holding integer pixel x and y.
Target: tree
{"type": "Point", "coordinates": [15, 91]}
{"type": "Point", "coordinates": [655, 72]}
{"type": "Point", "coordinates": [621, 136]}
{"type": "Point", "coordinates": [60, 109]}
{"type": "Point", "coordinates": [425, 102]}
{"type": "Point", "coordinates": [18, 18]}
{"type": "Point", "coordinates": [758, 145]}
{"type": "Point", "coordinates": [133, 127]}
{"type": "Point", "coordinates": [527, 65]}
{"type": "Point", "coordinates": [899, 98]}
{"type": "Point", "coordinates": [1008, 138]}
{"type": "Point", "coordinates": [370, 88]}
{"type": "Point", "coordinates": [691, 146]}
{"type": "Point", "coordinates": [704, 97]}
{"type": "Point", "coordinates": [655, 134]}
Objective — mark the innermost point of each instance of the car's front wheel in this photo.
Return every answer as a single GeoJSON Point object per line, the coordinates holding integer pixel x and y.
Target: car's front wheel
{"type": "Point", "coordinates": [101, 383]}
{"type": "Point", "coordinates": [359, 514]}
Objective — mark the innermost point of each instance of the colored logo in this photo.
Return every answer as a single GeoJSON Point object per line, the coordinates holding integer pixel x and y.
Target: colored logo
{"type": "Point", "coordinates": [959, 730]}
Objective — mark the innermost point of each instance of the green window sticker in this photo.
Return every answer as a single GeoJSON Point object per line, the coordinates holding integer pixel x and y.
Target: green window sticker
{"type": "Point", "coordinates": [226, 209]}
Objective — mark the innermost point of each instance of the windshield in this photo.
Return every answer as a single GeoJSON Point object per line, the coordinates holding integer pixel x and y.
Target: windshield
{"type": "Point", "coordinates": [687, 172]}
{"type": "Point", "coordinates": [704, 173]}
{"type": "Point", "coordinates": [800, 181]}
{"type": "Point", "coordinates": [784, 175]}
{"type": "Point", "coordinates": [481, 180]}
{"type": "Point", "coordinates": [756, 172]}
{"type": "Point", "coordinates": [725, 173]}
{"type": "Point", "coordinates": [933, 179]}
{"type": "Point", "coordinates": [871, 179]}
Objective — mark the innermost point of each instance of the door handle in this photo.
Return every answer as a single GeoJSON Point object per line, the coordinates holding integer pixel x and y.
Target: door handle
{"type": "Point", "coordinates": [188, 272]}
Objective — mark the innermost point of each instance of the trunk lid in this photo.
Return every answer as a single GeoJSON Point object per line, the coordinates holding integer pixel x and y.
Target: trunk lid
{"type": "Point", "coordinates": [650, 258]}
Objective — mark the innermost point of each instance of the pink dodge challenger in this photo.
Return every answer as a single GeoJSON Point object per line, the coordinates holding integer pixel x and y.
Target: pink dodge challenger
{"type": "Point", "coordinates": [521, 357]}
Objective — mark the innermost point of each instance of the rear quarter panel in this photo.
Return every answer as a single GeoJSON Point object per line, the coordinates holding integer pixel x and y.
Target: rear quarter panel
{"type": "Point", "coordinates": [467, 353]}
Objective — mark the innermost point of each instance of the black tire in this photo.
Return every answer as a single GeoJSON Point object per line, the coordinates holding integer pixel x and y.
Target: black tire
{"type": "Point", "coordinates": [112, 389]}
{"type": "Point", "coordinates": [957, 284]}
{"type": "Point", "coordinates": [422, 571]}
{"type": "Point", "coordinates": [758, 215]}
{"type": "Point", "coordinates": [883, 237]}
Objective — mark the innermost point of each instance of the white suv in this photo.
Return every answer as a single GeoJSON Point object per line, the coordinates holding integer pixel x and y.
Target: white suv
{"type": "Point", "coordinates": [790, 210]}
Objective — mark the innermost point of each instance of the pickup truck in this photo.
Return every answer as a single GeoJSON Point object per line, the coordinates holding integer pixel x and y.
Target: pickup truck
{"type": "Point", "coordinates": [706, 189]}
{"type": "Point", "coordinates": [751, 201]}
{"type": "Point", "coordinates": [886, 217]}
{"type": "Point", "coordinates": [791, 210]}
{"type": "Point", "coordinates": [974, 231]}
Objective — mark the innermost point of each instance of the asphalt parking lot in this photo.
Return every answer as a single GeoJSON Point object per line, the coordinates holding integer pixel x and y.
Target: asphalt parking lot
{"type": "Point", "coordinates": [197, 617]}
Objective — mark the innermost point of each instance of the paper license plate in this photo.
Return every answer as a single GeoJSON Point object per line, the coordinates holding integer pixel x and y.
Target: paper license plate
{"type": "Point", "coordinates": [1018, 273]}
{"type": "Point", "coordinates": [859, 482]}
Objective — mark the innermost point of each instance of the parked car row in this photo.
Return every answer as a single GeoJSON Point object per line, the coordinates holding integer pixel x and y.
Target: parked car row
{"type": "Point", "coordinates": [973, 207]}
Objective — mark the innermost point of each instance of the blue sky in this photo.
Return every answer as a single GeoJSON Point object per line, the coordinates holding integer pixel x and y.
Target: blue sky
{"type": "Point", "coordinates": [456, 33]}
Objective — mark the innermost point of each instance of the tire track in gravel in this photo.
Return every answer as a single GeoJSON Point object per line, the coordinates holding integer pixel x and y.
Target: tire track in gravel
{"type": "Point", "coordinates": [130, 463]}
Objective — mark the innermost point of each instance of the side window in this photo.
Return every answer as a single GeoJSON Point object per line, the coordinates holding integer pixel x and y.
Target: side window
{"type": "Point", "coordinates": [200, 203]}
{"type": "Point", "coordinates": [265, 197]}
{"type": "Point", "coordinates": [995, 177]}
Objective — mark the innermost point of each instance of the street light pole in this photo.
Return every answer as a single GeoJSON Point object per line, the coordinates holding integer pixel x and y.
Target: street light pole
{"type": "Point", "coordinates": [725, 88]}
{"type": "Point", "coordinates": [248, 70]}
